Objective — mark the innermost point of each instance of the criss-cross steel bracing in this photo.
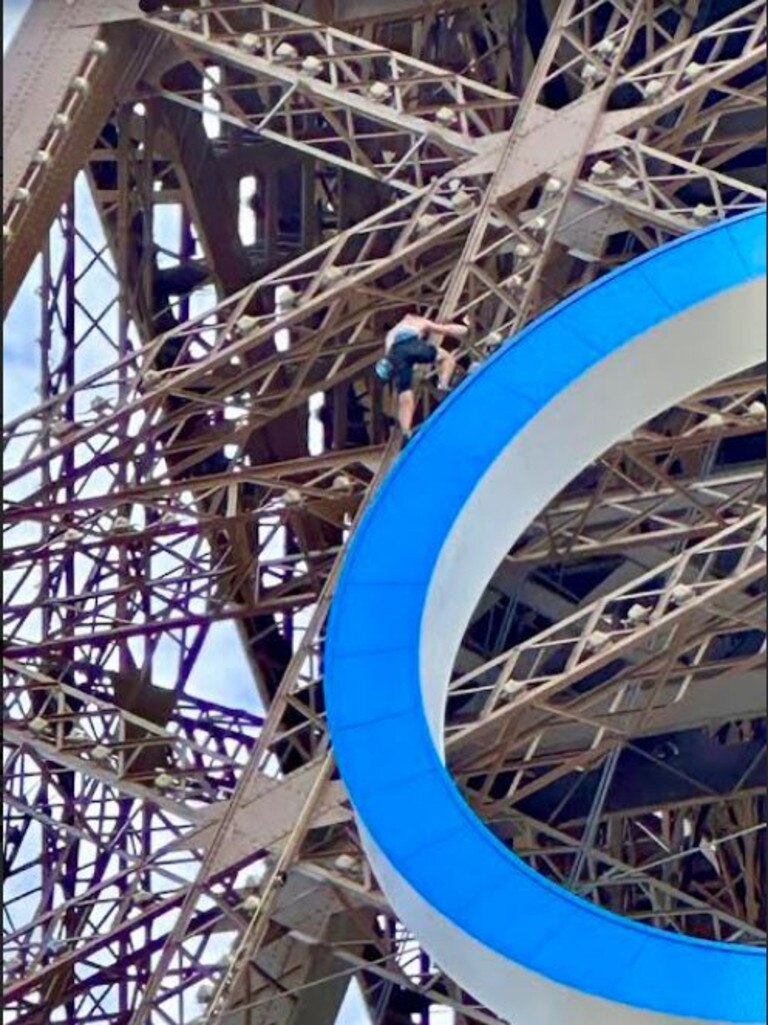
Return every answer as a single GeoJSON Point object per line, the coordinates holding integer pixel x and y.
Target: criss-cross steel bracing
{"type": "Point", "coordinates": [212, 212]}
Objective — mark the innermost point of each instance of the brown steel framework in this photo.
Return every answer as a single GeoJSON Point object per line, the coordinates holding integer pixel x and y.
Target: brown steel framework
{"type": "Point", "coordinates": [171, 859]}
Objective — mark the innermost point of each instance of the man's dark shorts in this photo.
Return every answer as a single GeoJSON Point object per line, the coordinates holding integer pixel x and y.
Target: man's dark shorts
{"type": "Point", "coordinates": [405, 354]}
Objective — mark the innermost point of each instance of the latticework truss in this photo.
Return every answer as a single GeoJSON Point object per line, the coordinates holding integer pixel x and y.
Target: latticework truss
{"type": "Point", "coordinates": [212, 212]}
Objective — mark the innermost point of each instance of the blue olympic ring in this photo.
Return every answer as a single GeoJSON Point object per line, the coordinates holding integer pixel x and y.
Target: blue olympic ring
{"type": "Point", "coordinates": [433, 855]}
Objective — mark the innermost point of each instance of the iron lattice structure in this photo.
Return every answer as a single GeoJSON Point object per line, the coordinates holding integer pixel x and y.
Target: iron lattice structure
{"type": "Point", "coordinates": [168, 858]}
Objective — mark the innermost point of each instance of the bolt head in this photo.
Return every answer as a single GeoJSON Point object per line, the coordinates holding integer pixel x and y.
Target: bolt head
{"type": "Point", "coordinates": [311, 65]}
{"type": "Point", "coordinates": [379, 91]}
{"type": "Point", "coordinates": [461, 200]}
{"type": "Point", "coordinates": [653, 88]}
{"type": "Point", "coordinates": [626, 183]}
{"type": "Point", "coordinates": [693, 71]}
{"type": "Point", "coordinates": [446, 116]}
{"type": "Point", "coordinates": [249, 42]}
{"type": "Point", "coordinates": [702, 212]}
{"type": "Point", "coordinates": [285, 51]}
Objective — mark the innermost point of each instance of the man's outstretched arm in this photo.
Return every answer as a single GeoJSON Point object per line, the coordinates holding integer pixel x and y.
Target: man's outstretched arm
{"type": "Point", "coordinates": [451, 330]}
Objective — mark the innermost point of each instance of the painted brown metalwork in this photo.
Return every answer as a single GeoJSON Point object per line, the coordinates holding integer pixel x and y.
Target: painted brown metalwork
{"type": "Point", "coordinates": [218, 208]}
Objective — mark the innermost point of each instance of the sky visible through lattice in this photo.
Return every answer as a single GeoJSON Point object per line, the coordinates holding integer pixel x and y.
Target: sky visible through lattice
{"type": "Point", "coordinates": [221, 657]}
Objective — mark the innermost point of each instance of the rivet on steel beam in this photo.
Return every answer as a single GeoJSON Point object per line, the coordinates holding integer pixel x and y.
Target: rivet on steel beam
{"type": "Point", "coordinates": [249, 42]}
{"type": "Point", "coordinates": [702, 212]}
{"type": "Point", "coordinates": [713, 420]}
{"type": "Point", "coordinates": [333, 274]}
{"type": "Point", "coordinates": [601, 169]}
{"type": "Point", "coordinates": [285, 296]}
{"type": "Point", "coordinates": [285, 52]}
{"type": "Point", "coordinates": [638, 613]}
{"type": "Point", "coordinates": [379, 91]}
{"type": "Point", "coordinates": [311, 65]}
{"type": "Point", "coordinates": [461, 200]}
{"type": "Point", "coordinates": [693, 71]}
{"type": "Point", "coordinates": [446, 116]}
{"type": "Point", "coordinates": [425, 223]}
{"type": "Point", "coordinates": [681, 593]}
{"type": "Point", "coordinates": [592, 73]}
{"type": "Point", "coordinates": [626, 183]}
{"type": "Point", "coordinates": [596, 640]}
{"type": "Point", "coordinates": [652, 88]}
{"type": "Point", "coordinates": [245, 324]}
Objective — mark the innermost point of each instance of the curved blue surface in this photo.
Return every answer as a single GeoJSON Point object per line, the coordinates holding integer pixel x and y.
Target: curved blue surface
{"type": "Point", "coordinates": [398, 785]}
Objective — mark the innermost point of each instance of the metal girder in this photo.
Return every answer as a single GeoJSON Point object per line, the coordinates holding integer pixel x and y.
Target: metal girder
{"type": "Point", "coordinates": [678, 600]}
{"type": "Point", "coordinates": [195, 755]}
{"type": "Point", "coordinates": [631, 126]}
{"type": "Point", "coordinates": [51, 120]}
{"type": "Point", "coordinates": [353, 103]}
{"type": "Point", "coordinates": [344, 297]}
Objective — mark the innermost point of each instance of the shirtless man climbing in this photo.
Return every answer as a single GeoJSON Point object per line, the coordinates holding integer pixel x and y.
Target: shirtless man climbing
{"type": "Point", "coordinates": [406, 345]}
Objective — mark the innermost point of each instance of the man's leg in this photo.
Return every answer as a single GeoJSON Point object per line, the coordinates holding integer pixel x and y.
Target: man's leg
{"type": "Point", "coordinates": [446, 364]}
{"type": "Point", "coordinates": [406, 407]}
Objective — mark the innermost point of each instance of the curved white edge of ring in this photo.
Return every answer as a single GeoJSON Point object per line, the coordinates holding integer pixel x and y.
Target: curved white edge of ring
{"type": "Point", "coordinates": [704, 343]}
{"type": "Point", "coordinates": [628, 389]}
{"type": "Point", "coordinates": [515, 993]}
{"type": "Point", "coordinates": [696, 348]}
